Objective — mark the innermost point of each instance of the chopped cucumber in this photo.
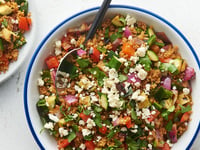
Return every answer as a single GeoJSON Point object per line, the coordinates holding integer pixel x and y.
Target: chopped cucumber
{"type": "Point", "coordinates": [177, 63]}
{"type": "Point", "coordinates": [103, 101]}
{"type": "Point", "coordinates": [122, 78]}
{"type": "Point", "coordinates": [152, 55]}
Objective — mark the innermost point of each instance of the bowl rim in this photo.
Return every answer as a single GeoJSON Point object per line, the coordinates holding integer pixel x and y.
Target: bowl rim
{"type": "Point", "coordinates": [26, 108]}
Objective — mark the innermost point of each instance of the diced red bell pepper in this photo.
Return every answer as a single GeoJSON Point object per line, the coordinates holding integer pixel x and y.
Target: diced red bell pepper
{"type": "Point", "coordinates": [84, 117]}
{"type": "Point", "coordinates": [52, 62]}
{"type": "Point", "coordinates": [24, 23]}
{"type": "Point", "coordinates": [164, 60]}
{"type": "Point", "coordinates": [89, 145]}
{"type": "Point", "coordinates": [95, 56]}
{"type": "Point", "coordinates": [185, 117]}
{"type": "Point", "coordinates": [153, 116]}
{"type": "Point", "coordinates": [103, 129]}
{"type": "Point", "coordinates": [166, 146]}
{"type": "Point", "coordinates": [62, 143]}
{"type": "Point", "coordinates": [126, 121]}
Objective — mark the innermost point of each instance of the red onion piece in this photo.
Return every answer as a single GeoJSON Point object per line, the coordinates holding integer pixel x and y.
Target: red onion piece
{"type": "Point", "coordinates": [81, 52]}
{"type": "Point", "coordinates": [167, 83]}
{"type": "Point", "coordinates": [163, 37]}
{"type": "Point", "coordinates": [70, 99]}
{"type": "Point", "coordinates": [127, 32]}
{"type": "Point", "coordinates": [173, 134]}
{"type": "Point", "coordinates": [132, 78]}
{"type": "Point", "coordinates": [116, 43]}
{"type": "Point", "coordinates": [189, 73]}
{"type": "Point", "coordinates": [53, 75]}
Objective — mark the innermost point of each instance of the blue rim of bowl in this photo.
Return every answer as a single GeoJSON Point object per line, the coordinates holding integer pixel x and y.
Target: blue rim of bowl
{"type": "Point", "coordinates": [74, 16]}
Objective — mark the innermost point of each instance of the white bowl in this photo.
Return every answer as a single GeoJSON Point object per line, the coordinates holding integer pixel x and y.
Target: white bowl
{"type": "Point", "coordinates": [31, 93]}
{"type": "Point", "coordinates": [25, 50]}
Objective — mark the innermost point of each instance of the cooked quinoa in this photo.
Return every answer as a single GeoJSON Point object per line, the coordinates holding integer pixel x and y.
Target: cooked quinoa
{"type": "Point", "coordinates": [128, 88]}
{"type": "Point", "coordinates": [14, 21]}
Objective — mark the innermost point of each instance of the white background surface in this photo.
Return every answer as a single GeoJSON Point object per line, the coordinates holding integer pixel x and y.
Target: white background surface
{"type": "Point", "coordinates": [14, 131]}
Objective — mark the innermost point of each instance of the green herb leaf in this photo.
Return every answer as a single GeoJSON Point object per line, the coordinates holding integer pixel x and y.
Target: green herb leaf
{"type": "Point", "coordinates": [88, 137]}
{"type": "Point", "coordinates": [101, 49]}
{"type": "Point", "coordinates": [86, 112]}
{"type": "Point", "coordinates": [185, 109]}
{"type": "Point", "coordinates": [146, 62]}
{"type": "Point", "coordinates": [169, 126]}
{"type": "Point", "coordinates": [98, 120]}
{"type": "Point", "coordinates": [83, 63]}
{"type": "Point", "coordinates": [98, 74]}
{"type": "Point", "coordinates": [162, 94]}
{"type": "Point", "coordinates": [71, 136]}
{"type": "Point", "coordinates": [4, 23]}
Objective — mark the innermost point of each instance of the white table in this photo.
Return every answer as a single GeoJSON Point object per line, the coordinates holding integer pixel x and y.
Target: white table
{"type": "Point", "coordinates": [14, 131]}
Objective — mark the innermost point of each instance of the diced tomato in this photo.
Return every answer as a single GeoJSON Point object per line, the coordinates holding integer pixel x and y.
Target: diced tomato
{"type": "Point", "coordinates": [103, 129]}
{"type": "Point", "coordinates": [126, 121]}
{"type": "Point", "coordinates": [84, 117]}
{"type": "Point", "coordinates": [25, 23]}
{"type": "Point", "coordinates": [166, 146]}
{"type": "Point", "coordinates": [153, 116]}
{"type": "Point", "coordinates": [127, 48]}
{"type": "Point", "coordinates": [89, 145]}
{"type": "Point", "coordinates": [95, 56]}
{"type": "Point", "coordinates": [52, 62]}
{"type": "Point", "coordinates": [185, 117]}
{"type": "Point", "coordinates": [62, 143]}
{"type": "Point", "coordinates": [164, 60]}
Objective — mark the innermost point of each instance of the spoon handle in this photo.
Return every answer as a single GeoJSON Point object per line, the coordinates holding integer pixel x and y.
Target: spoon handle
{"type": "Point", "coordinates": [98, 19]}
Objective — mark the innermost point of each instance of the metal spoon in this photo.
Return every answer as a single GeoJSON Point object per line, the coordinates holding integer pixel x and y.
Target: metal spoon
{"type": "Point", "coordinates": [65, 66]}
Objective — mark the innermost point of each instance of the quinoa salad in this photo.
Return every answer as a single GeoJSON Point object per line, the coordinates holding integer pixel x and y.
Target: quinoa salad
{"type": "Point", "coordinates": [128, 89]}
{"type": "Point", "coordinates": [14, 21]}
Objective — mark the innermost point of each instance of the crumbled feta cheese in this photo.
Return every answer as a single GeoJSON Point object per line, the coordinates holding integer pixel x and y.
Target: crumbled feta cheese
{"type": "Point", "coordinates": [73, 41]}
{"type": "Point", "coordinates": [142, 74]}
{"type": "Point", "coordinates": [41, 96]}
{"type": "Point", "coordinates": [123, 129]}
{"type": "Point", "coordinates": [58, 44]}
{"type": "Point", "coordinates": [98, 138]}
{"type": "Point", "coordinates": [74, 116]}
{"type": "Point", "coordinates": [141, 51]}
{"type": "Point", "coordinates": [162, 50]}
{"type": "Point", "coordinates": [86, 132]}
{"type": "Point", "coordinates": [135, 94]}
{"type": "Point", "coordinates": [130, 20]}
{"type": "Point", "coordinates": [53, 117]}
{"type": "Point", "coordinates": [78, 89]}
{"type": "Point", "coordinates": [137, 84]}
{"type": "Point", "coordinates": [134, 59]}
{"type": "Point", "coordinates": [90, 123]}
{"type": "Point", "coordinates": [40, 82]}
{"type": "Point", "coordinates": [149, 146]}
{"type": "Point", "coordinates": [145, 113]}
{"type": "Point", "coordinates": [174, 87]}
{"type": "Point", "coordinates": [130, 37]}
{"type": "Point", "coordinates": [63, 132]}
{"type": "Point", "coordinates": [82, 146]}
{"type": "Point", "coordinates": [81, 122]}
{"type": "Point", "coordinates": [49, 125]}
{"type": "Point", "coordinates": [141, 98]}
{"type": "Point", "coordinates": [186, 91]}
{"type": "Point", "coordinates": [134, 130]}
{"type": "Point", "coordinates": [57, 51]}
